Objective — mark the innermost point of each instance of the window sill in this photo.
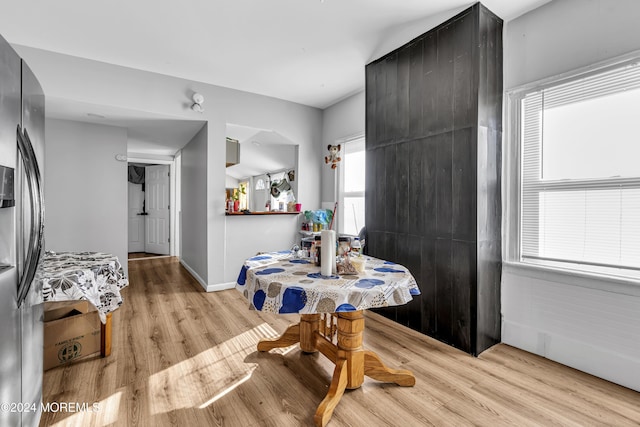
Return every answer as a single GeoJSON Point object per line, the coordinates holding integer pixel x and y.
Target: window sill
{"type": "Point", "coordinates": [618, 285]}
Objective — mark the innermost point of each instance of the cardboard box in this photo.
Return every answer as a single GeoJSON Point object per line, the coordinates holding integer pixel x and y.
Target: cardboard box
{"type": "Point", "coordinates": [71, 332]}
{"type": "Point", "coordinates": [61, 309]}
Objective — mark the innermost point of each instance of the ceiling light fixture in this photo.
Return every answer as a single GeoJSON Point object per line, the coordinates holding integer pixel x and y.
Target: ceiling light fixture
{"type": "Point", "coordinates": [198, 100]}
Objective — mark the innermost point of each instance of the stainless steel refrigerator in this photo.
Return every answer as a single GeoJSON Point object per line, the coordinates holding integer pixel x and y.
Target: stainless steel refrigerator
{"type": "Point", "coordinates": [21, 240]}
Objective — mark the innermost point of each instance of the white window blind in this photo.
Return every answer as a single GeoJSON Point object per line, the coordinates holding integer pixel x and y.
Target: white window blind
{"type": "Point", "coordinates": [580, 172]}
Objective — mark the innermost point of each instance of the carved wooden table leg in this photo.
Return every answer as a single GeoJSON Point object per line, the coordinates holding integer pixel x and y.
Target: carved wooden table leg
{"type": "Point", "coordinates": [350, 329]}
{"type": "Point", "coordinates": [352, 361]}
{"type": "Point", "coordinates": [336, 390]}
{"type": "Point", "coordinates": [374, 368]}
{"type": "Point", "coordinates": [349, 371]}
{"type": "Point", "coordinates": [309, 324]}
{"type": "Point", "coordinates": [290, 337]}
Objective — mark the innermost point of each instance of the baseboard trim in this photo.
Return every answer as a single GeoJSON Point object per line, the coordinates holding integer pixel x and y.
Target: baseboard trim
{"type": "Point", "coordinates": [194, 274]}
{"type": "Point", "coordinates": [205, 286]}
{"type": "Point", "coordinates": [220, 287]}
{"type": "Point", "coordinates": [615, 367]}
{"type": "Point", "coordinates": [148, 257]}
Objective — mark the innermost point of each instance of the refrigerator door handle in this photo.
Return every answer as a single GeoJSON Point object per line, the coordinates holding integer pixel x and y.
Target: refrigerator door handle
{"type": "Point", "coordinates": [36, 234]}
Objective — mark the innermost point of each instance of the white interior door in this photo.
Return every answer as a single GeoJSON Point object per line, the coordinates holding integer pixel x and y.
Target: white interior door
{"type": "Point", "coordinates": [136, 220]}
{"type": "Point", "coordinates": [260, 193]}
{"type": "Point", "coordinates": [157, 207]}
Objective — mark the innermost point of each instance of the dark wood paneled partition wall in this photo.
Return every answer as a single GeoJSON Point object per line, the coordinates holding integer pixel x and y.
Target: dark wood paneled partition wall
{"type": "Point", "coordinates": [434, 130]}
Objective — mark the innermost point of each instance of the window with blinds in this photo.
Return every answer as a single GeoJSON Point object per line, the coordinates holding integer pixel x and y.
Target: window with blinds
{"type": "Point", "coordinates": [580, 172]}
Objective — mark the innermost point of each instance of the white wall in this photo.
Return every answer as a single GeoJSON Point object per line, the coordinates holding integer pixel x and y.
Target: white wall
{"type": "Point", "coordinates": [85, 188]}
{"type": "Point", "coordinates": [585, 323]}
{"type": "Point", "coordinates": [93, 82]}
{"type": "Point", "coordinates": [589, 324]}
{"type": "Point", "coordinates": [343, 119]}
{"type": "Point", "coordinates": [193, 241]}
{"type": "Point", "coordinates": [399, 35]}
{"type": "Point", "coordinates": [564, 35]}
{"type": "Point", "coordinates": [230, 182]}
{"type": "Point", "coordinates": [298, 124]}
{"type": "Point", "coordinates": [246, 233]}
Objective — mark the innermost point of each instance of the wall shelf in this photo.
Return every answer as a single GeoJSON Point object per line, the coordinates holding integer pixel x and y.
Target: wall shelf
{"type": "Point", "coordinates": [260, 213]}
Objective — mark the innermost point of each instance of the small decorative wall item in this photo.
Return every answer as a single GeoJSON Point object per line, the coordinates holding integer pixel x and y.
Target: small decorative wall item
{"type": "Point", "coordinates": [333, 158]}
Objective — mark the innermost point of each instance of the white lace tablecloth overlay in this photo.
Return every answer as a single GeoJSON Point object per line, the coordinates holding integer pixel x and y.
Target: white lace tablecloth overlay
{"type": "Point", "coordinates": [93, 276]}
{"type": "Point", "coordinates": [276, 283]}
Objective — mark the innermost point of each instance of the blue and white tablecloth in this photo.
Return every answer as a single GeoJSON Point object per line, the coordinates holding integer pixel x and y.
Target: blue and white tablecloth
{"type": "Point", "coordinates": [276, 283]}
{"type": "Point", "coordinates": [93, 276]}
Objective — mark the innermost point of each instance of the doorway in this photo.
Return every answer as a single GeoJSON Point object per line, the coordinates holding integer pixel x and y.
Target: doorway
{"type": "Point", "coordinates": [149, 210]}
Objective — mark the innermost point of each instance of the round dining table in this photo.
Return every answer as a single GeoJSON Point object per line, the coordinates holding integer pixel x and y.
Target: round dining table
{"type": "Point", "coordinates": [331, 314]}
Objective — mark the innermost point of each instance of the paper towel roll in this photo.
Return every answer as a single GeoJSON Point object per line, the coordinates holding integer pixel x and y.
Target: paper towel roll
{"type": "Point", "coordinates": [328, 252]}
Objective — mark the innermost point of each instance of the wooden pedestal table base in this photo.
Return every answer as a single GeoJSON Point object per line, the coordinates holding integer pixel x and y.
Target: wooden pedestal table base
{"type": "Point", "coordinates": [339, 337]}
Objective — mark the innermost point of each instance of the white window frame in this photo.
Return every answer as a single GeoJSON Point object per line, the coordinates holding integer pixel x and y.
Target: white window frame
{"type": "Point", "coordinates": [512, 186]}
{"type": "Point", "coordinates": [341, 194]}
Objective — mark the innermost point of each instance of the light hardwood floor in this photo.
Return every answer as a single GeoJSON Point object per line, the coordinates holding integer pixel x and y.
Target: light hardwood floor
{"type": "Point", "coordinates": [185, 357]}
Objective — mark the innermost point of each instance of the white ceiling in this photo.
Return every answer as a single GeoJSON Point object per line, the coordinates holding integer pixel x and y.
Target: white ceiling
{"type": "Point", "coordinates": [312, 52]}
{"type": "Point", "coordinates": [147, 133]}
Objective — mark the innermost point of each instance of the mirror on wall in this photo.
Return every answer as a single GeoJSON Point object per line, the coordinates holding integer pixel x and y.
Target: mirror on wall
{"type": "Point", "coordinates": [261, 170]}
